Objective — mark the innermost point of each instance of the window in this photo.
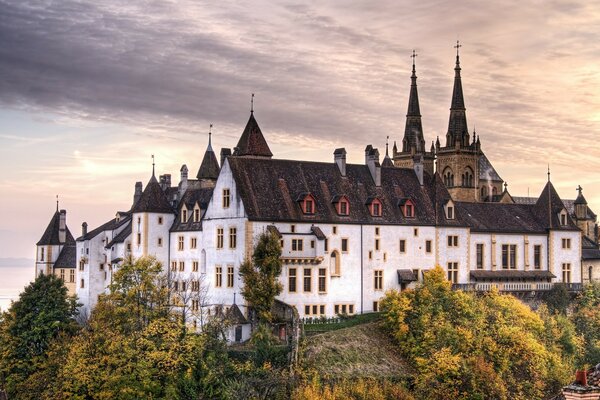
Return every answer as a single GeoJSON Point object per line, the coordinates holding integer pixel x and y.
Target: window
{"type": "Point", "coordinates": [184, 214]}
{"type": "Point", "coordinates": [378, 279]}
{"type": "Point", "coordinates": [563, 218]}
{"type": "Point", "coordinates": [308, 204]}
{"type": "Point", "coordinates": [128, 246]}
{"type": "Point", "coordinates": [181, 266]}
{"type": "Point", "coordinates": [194, 266]}
{"type": "Point", "coordinates": [232, 238]}
{"type": "Point", "coordinates": [176, 286]}
{"type": "Point", "coordinates": [312, 244]}
{"type": "Point", "coordinates": [195, 306]}
{"type": "Point", "coordinates": [62, 274]}
{"type": "Point", "coordinates": [375, 306]}
{"type": "Point", "coordinates": [101, 266]}
{"type": "Point", "coordinates": [334, 264]}
{"type": "Point", "coordinates": [230, 276]}
{"type": "Point", "coordinates": [448, 178]}
{"type": "Point", "coordinates": [196, 214]}
{"type": "Point", "coordinates": [81, 265]}
{"type": "Point", "coordinates": [193, 243]}
{"type": "Point", "coordinates": [452, 241]}
{"type": "Point", "coordinates": [376, 208]}
{"type": "Point", "coordinates": [218, 276]}
{"type": "Point", "coordinates": [467, 178]}
{"type": "Point", "coordinates": [72, 276]}
{"type": "Point", "coordinates": [219, 238]}
{"type": "Point", "coordinates": [226, 198]}
{"type": "Point", "coordinates": [160, 220]}
{"type": "Point", "coordinates": [159, 242]}
{"type": "Point", "coordinates": [307, 279]}
{"type": "Point", "coordinates": [384, 256]}
{"type": "Point", "coordinates": [376, 244]}
{"type": "Point", "coordinates": [292, 280]}
{"type": "Point", "coordinates": [297, 244]}
{"type": "Point", "coordinates": [370, 254]}
{"type": "Point", "coordinates": [450, 212]}
{"type": "Point", "coordinates": [377, 231]}
{"type": "Point", "coordinates": [566, 243]}
{"type": "Point", "coordinates": [325, 244]}
{"type": "Point", "coordinates": [82, 284]}
{"type": "Point", "coordinates": [180, 243]}
{"type": "Point", "coordinates": [416, 232]}
{"type": "Point", "coordinates": [42, 254]}
{"type": "Point", "coordinates": [345, 245]}
{"type": "Point", "coordinates": [314, 309]}
{"type": "Point", "coordinates": [402, 246]}
{"type": "Point", "coordinates": [293, 228]}
{"type": "Point", "coordinates": [195, 286]}
{"type": "Point", "coordinates": [183, 286]}
{"type": "Point", "coordinates": [509, 256]}
{"type": "Point", "coordinates": [342, 205]}
{"type": "Point", "coordinates": [173, 265]}
{"type": "Point", "coordinates": [566, 273]}
{"type": "Point", "coordinates": [479, 255]}
{"type": "Point", "coordinates": [453, 272]}
{"type": "Point", "coordinates": [139, 239]}
{"type": "Point", "coordinates": [428, 246]}
{"type": "Point", "coordinates": [322, 280]}
{"type": "Point", "coordinates": [334, 230]}
{"type": "Point", "coordinates": [537, 256]}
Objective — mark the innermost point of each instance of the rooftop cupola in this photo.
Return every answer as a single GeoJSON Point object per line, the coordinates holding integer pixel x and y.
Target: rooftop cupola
{"type": "Point", "coordinates": [457, 124]}
{"type": "Point", "coordinates": [252, 143]}
{"type": "Point", "coordinates": [580, 204]}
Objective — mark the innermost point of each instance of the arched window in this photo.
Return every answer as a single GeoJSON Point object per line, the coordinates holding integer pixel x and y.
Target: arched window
{"type": "Point", "coordinates": [334, 263]}
{"type": "Point", "coordinates": [448, 177]}
{"type": "Point", "coordinates": [203, 262]}
{"type": "Point", "coordinates": [467, 178]}
{"type": "Point", "coordinates": [483, 192]}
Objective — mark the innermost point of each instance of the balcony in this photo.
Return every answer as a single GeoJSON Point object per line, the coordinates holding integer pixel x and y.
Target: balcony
{"type": "Point", "coordinates": [514, 286]}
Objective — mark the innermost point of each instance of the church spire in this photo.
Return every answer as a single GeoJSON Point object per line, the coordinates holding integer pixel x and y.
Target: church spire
{"type": "Point", "coordinates": [413, 131]}
{"type": "Point", "coordinates": [457, 125]}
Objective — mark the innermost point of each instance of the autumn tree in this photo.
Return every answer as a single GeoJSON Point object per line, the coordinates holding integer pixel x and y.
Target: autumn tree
{"type": "Point", "coordinates": [43, 312]}
{"type": "Point", "coordinates": [586, 318]}
{"type": "Point", "coordinates": [261, 275]}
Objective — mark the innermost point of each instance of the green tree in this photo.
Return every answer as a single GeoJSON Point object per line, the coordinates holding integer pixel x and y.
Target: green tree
{"type": "Point", "coordinates": [261, 276]}
{"type": "Point", "coordinates": [43, 312]}
{"type": "Point", "coordinates": [586, 318]}
{"type": "Point", "coordinates": [558, 299]}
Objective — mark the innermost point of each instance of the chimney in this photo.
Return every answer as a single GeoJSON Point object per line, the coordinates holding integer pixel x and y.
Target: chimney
{"type": "Point", "coordinates": [372, 161]}
{"type": "Point", "coordinates": [581, 378]}
{"type": "Point", "coordinates": [418, 167]}
{"type": "Point", "coordinates": [339, 156]}
{"type": "Point", "coordinates": [62, 227]}
{"type": "Point", "coordinates": [84, 229]}
{"type": "Point", "coordinates": [167, 181]}
{"type": "Point", "coordinates": [138, 192]}
{"type": "Point", "coordinates": [225, 152]}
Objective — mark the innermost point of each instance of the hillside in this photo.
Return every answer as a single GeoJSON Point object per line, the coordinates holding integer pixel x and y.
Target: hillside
{"type": "Point", "coordinates": [359, 351]}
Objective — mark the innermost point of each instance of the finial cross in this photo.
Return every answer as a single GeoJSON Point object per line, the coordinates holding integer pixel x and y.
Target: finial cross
{"type": "Point", "coordinates": [414, 54]}
{"type": "Point", "coordinates": [210, 129]}
{"type": "Point", "coordinates": [458, 46]}
{"type": "Point", "coordinates": [579, 189]}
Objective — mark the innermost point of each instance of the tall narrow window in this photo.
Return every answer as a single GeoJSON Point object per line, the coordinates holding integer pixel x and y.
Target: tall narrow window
{"type": "Point", "coordinates": [322, 280]}
{"type": "Point", "coordinates": [334, 264]}
{"type": "Point", "coordinates": [42, 254]}
{"type": "Point", "coordinates": [181, 266]}
{"type": "Point", "coordinates": [479, 255]}
{"type": "Point", "coordinates": [82, 284]}
{"type": "Point", "coordinates": [62, 274]}
{"type": "Point", "coordinates": [428, 246]}
{"type": "Point", "coordinates": [537, 256]}
{"type": "Point", "coordinates": [196, 215]}
{"type": "Point", "coordinates": [453, 272]}
{"type": "Point", "coordinates": [297, 244]}
{"type": "Point", "coordinates": [173, 265]}
{"type": "Point", "coordinates": [307, 279]}
{"type": "Point", "coordinates": [402, 245]}
{"type": "Point", "coordinates": [376, 244]}
{"type": "Point", "coordinates": [226, 198]}
{"type": "Point", "coordinates": [193, 243]}
{"type": "Point", "coordinates": [292, 280]}
{"type": "Point", "coordinates": [194, 266]}
{"type": "Point", "coordinates": [378, 279]}
{"type": "Point", "coordinates": [509, 256]}
{"type": "Point", "coordinates": [345, 245]}
{"type": "Point", "coordinates": [180, 244]}
{"type": "Point", "coordinates": [218, 276]}
{"type": "Point", "coordinates": [566, 243]}
{"type": "Point", "coordinates": [139, 239]}
{"type": "Point", "coordinates": [184, 214]}
{"type": "Point", "coordinates": [219, 238]}
{"type": "Point", "coordinates": [72, 276]}
{"type": "Point", "coordinates": [566, 273]}
{"type": "Point", "coordinates": [230, 276]}
{"type": "Point", "coordinates": [232, 238]}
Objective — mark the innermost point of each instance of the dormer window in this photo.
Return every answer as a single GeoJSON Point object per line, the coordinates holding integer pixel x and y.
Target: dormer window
{"type": "Point", "coordinates": [563, 217]}
{"type": "Point", "coordinates": [307, 203]}
{"type": "Point", "coordinates": [375, 206]}
{"type": "Point", "coordinates": [197, 213]}
{"type": "Point", "coordinates": [184, 214]}
{"type": "Point", "coordinates": [408, 207]}
{"type": "Point", "coordinates": [449, 210]}
{"type": "Point", "coordinates": [342, 205]}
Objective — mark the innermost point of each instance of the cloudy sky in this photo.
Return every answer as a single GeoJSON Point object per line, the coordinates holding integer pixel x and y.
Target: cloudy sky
{"type": "Point", "coordinates": [89, 90]}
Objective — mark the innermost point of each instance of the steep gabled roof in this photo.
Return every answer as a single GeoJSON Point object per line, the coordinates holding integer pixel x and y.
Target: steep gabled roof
{"type": "Point", "coordinates": [153, 199]}
{"type": "Point", "coordinates": [202, 197]}
{"type": "Point", "coordinates": [209, 169]}
{"type": "Point", "coordinates": [51, 237]}
{"type": "Point", "coordinates": [121, 236]}
{"type": "Point", "coordinates": [107, 226]}
{"type": "Point", "coordinates": [487, 170]}
{"type": "Point", "coordinates": [548, 206]}
{"type": "Point", "coordinates": [67, 257]}
{"type": "Point", "coordinates": [252, 142]}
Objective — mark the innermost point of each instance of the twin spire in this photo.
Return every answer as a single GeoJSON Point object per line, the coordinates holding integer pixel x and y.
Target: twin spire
{"type": "Point", "coordinates": [413, 131]}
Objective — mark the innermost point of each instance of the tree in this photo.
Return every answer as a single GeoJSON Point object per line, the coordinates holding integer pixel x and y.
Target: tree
{"type": "Point", "coordinates": [189, 295]}
{"type": "Point", "coordinates": [587, 322]}
{"type": "Point", "coordinates": [558, 299]}
{"type": "Point", "coordinates": [261, 275]}
{"type": "Point", "coordinates": [43, 312]}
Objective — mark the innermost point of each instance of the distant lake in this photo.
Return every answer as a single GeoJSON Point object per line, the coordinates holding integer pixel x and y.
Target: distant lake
{"type": "Point", "coordinates": [13, 279]}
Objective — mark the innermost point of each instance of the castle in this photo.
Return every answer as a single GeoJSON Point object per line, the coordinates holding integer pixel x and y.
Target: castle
{"type": "Point", "coordinates": [348, 232]}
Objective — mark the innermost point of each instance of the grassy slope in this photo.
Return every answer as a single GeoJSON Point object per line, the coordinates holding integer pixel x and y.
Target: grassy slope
{"type": "Point", "coordinates": [359, 351]}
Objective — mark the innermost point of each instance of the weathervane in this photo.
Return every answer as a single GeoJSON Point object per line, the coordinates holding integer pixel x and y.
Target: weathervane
{"type": "Point", "coordinates": [152, 164]}
{"type": "Point", "coordinates": [56, 202]}
{"type": "Point", "coordinates": [252, 104]}
{"type": "Point", "coordinates": [458, 46]}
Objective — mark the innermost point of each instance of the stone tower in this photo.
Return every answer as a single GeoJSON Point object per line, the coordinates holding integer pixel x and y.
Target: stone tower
{"type": "Point", "coordinates": [413, 143]}
{"type": "Point", "coordinates": [458, 160]}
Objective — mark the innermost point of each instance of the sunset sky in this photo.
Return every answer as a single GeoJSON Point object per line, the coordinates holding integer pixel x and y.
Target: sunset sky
{"type": "Point", "coordinates": [89, 90]}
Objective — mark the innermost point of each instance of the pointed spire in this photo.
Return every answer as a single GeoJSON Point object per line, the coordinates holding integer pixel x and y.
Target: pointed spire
{"type": "Point", "coordinates": [580, 199]}
{"type": "Point", "coordinates": [209, 168]}
{"type": "Point", "coordinates": [548, 172]}
{"type": "Point", "coordinates": [387, 161]}
{"type": "Point", "coordinates": [387, 139]}
{"type": "Point", "coordinates": [252, 142]}
{"type": "Point", "coordinates": [413, 131]}
{"type": "Point", "coordinates": [457, 124]}
{"type": "Point", "coordinates": [395, 148]}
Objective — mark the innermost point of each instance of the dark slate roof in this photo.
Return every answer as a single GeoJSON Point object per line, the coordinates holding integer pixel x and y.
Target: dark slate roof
{"type": "Point", "coordinates": [499, 217]}
{"type": "Point", "coordinates": [190, 198]}
{"type": "Point", "coordinates": [121, 236]}
{"type": "Point", "coordinates": [512, 274]}
{"type": "Point", "coordinates": [272, 229]}
{"type": "Point", "coordinates": [406, 275]}
{"type": "Point", "coordinates": [268, 189]}
{"type": "Point", "coordinates": [252, 142]}
{"type": "Point", "coordinates": [440, 198]}
{"type": "Point", "coordinates": [50, 236]}
{"type": "Point", "coordinates": [67, 257]}
{"type": "Point", "coordinates": [153, 199]}
{"type": "Point", "coordinates": [590, 249]}
{"type": "Point", "coordinates": [486, 170]}
{"type": "Point", "coordinates": [318, 232]}
{"type": "Point", "coordinates": [107, 226]}
{"type": "Point", "coordinates": [387, 162]}
{"type": "Point", "coordinates": [569, 205]}
{"type": "Point", "coordinates": [580, 199]}
{"type": "Point", "coordinates": [548, 206]}
{"type": "Point", "coordinates": [235, 315]}
{"type": "Point", "coordinates": [457, 123]}
{"type": "Point", "coordinates": [209, 169]}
